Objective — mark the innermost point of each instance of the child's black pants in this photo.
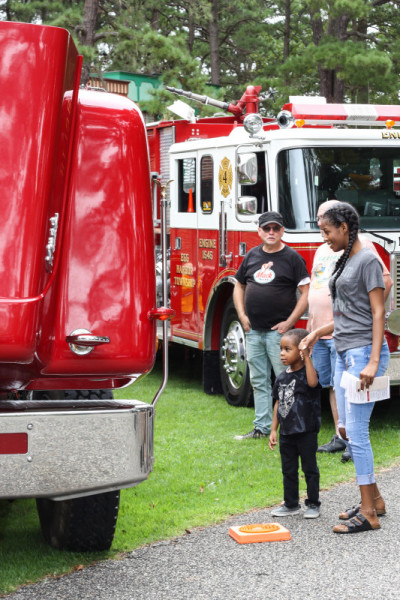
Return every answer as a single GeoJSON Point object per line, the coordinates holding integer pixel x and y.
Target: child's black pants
{"type": "Point", "coordinates": [303, 445]}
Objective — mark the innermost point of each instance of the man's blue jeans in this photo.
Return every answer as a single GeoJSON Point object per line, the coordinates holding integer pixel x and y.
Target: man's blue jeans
{"type": "Point", "coordinates": [263, 351]}
{"type": "Point", "coordinates": [355, 417]}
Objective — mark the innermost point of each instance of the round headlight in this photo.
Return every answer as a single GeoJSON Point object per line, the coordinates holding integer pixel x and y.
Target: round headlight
{"type": "Point", "coordinates": [253, 123]}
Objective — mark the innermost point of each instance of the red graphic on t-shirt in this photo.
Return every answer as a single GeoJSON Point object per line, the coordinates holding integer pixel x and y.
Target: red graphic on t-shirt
{"type": "Point", "coordinates": [265, 274]}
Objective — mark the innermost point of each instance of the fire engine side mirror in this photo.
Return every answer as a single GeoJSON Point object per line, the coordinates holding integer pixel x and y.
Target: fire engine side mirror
{"type": "Point", "coordinates": [247, 169]}
{"type": "Point", "coordinates": [247, 205]}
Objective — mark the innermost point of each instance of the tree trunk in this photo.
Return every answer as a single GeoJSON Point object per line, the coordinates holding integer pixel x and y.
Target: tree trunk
{"type": "Point", "coordinates": [155, 14]}
{"type": "Point", "coordinates": [214, 47]}
{"type": "Point", "coordinates": [286, 34]}
{"type": "Point", "coordinates": [8, 10]}
{"type": "Point", "coordinates": [87, 32]}
{"type": "Point", "coordinates": [191, 27]}
{"type": "Point", "coordinates": [331, 87]}
{"type": "Point", "coordinates": [362, 92]}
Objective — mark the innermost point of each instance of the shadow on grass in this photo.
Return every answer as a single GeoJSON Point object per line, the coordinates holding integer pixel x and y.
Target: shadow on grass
{"type": "Point", "coordinates": [24, 555]}
{"type": "Point", "coordinates": [185, 362]}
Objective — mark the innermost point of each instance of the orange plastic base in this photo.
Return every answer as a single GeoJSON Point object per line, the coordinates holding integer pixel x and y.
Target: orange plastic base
{"type": "Point", "coordinates": [259, 532]}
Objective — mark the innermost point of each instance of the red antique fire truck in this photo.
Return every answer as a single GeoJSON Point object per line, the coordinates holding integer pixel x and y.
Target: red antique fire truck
{"type": "Point", "coordinates": [77, 289]}
{"type": "Point", "coordinates": [226, 170]}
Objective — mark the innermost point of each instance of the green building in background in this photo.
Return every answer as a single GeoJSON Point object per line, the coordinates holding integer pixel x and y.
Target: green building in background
{"type": "Point", "coordinates": [136, 86]}
{"type": "Point", "coordinates": [139, 86]}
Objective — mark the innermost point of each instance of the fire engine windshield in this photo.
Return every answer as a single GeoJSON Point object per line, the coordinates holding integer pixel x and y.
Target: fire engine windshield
{"type": "Point", "coordinates": [368, 178]}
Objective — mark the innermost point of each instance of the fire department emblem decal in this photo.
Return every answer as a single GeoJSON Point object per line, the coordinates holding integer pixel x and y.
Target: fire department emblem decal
{"type": "Point", "coordinates": [265, 274]}
{"type": "Point", "coordinates": [225, 177]}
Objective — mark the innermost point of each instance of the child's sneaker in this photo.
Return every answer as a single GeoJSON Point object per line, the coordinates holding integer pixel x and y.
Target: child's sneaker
{"type": "Point", "coordinates": [285, 511]}
{"type": "Point", "coordinates": [311, 512]}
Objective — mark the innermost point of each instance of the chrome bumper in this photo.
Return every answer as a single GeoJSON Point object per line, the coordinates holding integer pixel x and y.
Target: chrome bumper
{"type": "Point", "coordinates": [75, 451]}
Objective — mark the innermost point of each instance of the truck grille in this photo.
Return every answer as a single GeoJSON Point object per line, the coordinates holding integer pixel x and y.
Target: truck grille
{"type": "Point", "coordinates": [396, 279]}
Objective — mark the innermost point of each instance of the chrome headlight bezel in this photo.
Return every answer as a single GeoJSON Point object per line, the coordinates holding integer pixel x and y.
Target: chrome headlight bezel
{"type": "Point", "coordinates": [253, 123]}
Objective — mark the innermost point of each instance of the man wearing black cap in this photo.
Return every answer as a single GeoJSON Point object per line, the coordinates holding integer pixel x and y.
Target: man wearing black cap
{"type": "Point", "coordinates": [267, 305]}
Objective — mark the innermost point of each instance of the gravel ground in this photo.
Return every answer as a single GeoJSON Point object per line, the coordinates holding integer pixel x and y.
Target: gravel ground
{"type": "Point", "coordinates": [315, 564]}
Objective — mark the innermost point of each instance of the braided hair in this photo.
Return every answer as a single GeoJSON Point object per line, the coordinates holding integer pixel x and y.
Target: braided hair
{"type": "Point", "coordinates": [342, 212]}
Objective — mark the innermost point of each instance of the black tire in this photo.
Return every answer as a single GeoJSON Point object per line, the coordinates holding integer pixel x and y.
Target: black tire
{"type": "Point", "coordinates": [88, 394]}
{"type": "Point", "coordinates": [82, 524]}
{"type": "Point", "coordinates": [234, 370]}
{"type": "Point", "coordinates": [48, 395]}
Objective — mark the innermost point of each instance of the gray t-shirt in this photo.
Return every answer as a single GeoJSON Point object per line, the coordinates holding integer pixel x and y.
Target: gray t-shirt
{"type": "Point", "coordinates": [352, 309]}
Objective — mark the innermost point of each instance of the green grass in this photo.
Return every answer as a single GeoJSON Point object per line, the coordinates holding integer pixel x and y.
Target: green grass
{"type": "Point", "coordinates": [201, 475]}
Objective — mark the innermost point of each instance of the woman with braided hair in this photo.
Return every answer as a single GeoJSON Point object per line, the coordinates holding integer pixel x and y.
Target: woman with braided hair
{"type": "Point", "coordinates": [357, 289]}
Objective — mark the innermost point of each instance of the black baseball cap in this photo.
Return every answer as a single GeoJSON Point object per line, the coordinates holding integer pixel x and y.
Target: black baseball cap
{"type": "Point", "coordinates": [270, 217]}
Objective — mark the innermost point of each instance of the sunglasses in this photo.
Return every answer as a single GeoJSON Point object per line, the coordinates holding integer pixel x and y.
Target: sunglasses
{"type": "Point", "coordinates": [274, 228]}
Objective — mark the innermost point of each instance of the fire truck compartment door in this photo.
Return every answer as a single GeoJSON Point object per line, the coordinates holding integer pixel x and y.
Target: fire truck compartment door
{"type": "Point", "coordinates": [37, 66]}
{"type": "Point", "coordinates": [106, 273]}
{"type": "Point", "coordinates": [184, 246]}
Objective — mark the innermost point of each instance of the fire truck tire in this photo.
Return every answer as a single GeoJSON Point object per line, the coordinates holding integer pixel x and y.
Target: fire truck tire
{"type": "Point", "coordinates": [84, 524]}
{"type": "Point", "coordinates": [80, 525]}
{"type": "Point", "coordinates": [88, 394]}
{"type": "Point", "coordinates": [234, 371]}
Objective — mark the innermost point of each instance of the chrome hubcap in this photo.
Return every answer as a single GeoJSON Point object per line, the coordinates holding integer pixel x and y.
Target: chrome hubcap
{"type": "Point", "coordinates": [234, 354]}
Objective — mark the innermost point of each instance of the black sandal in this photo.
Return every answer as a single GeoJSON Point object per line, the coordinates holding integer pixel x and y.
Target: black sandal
{"type": "Point", "coordinates": [356, 525]}
{"type": "Point", "coordinates": [351, 512]}
{"type": "Point", "coordinates": [354, 510]}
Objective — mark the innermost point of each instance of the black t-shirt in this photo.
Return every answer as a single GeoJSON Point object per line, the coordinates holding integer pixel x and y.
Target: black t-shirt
{"type": "Point", "coordinates": [271, 281]}
{"type": "Point", "coordinates": [299, 409]}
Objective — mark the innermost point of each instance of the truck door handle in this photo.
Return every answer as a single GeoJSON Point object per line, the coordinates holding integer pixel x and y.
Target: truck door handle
{"type": "Point", "coordinates": [85, 339]}
{"type": "Point", "coordinates": [82, 341]}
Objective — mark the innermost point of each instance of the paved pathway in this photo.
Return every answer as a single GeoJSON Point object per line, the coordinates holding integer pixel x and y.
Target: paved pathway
{"type": "Point", "coordinates": [207, 564]}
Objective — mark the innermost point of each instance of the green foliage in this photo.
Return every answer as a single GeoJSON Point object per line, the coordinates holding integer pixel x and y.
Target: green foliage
{"type": "Point", "coordinates": [345, 49]}
{"type": "Point", "coordinates": [350, 41]}
{"type": "Point", "coordinates": [348, 50]}
{"type": "Point", "coordinates": [353, 9]}
{"type": "Point", "coordinates": [62, 13]}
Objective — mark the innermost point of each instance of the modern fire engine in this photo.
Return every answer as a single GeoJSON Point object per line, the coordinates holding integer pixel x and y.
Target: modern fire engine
{"type": "Point", "coordinates": [78, 291]}
{"type": "Point", "coordinates": [224, 171]}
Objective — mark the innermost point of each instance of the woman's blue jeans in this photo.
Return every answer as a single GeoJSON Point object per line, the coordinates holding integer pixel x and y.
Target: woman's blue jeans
{"type": "Point", "coordinates": [355, 417]}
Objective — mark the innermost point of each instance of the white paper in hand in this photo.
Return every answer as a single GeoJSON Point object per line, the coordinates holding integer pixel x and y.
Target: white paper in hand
{"type": "Point", "coordinates": [379, 390]}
